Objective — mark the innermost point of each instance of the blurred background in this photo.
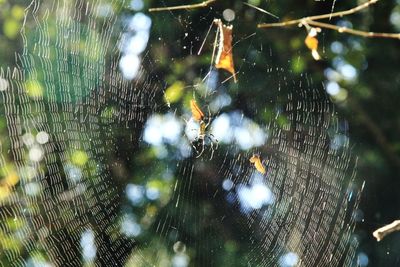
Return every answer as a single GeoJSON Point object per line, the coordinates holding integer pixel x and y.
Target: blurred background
{"type": "Point", "coordinates": [149, 145]}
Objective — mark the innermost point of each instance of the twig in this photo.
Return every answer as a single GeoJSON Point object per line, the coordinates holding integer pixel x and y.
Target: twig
{"type": "Point", "coordinates": [375, 131]}
{"type": "Point", "coordinates": [193, 6]}
{"type": "Point", "coordinates": [354, 32]}
{"type": "Point", "coordinates": [312, 20]}
{"type": "Point", "coordinates": [380, 233]}
{"type": "Point", "coordinates": [261, 10]}
{"type": "Point", "coordinates": [318, 17]}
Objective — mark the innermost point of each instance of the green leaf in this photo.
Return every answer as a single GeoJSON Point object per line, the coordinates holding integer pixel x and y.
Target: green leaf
{"type": "Point", "coordinates": [174, 93]}
{"type": "Point", "coordinates": [11, 28]}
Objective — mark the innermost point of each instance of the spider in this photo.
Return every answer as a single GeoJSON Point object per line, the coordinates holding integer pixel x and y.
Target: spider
{"type": "Point", "coordinates": [203, 135]}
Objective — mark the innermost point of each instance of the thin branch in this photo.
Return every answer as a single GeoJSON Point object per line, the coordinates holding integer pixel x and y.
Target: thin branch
{"type": "Point", "coordinates": [354, 32]}
{"type": "Point", "coordinates": [193, 6]}
{"type": "Point", "coordinates": [261, 10]}
{"type": "Point", "coordinates": [344, 13]}
{"type": "Point", "coordinates": [375, 132]}
{"type": "Point", "coordinates": [318, 17]}
{"type": "Point", "coordinates": [380, 233]}
{"type": "Point", "coordinates": [312, 20]}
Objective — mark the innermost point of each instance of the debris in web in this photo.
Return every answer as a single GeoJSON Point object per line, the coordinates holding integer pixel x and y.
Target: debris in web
{"type": "Point", "coordinates": [311, 42]}
{"type": "Point", "coordinates": [255, 159]}
{"type": "Point", "coordinates": [224, 58]}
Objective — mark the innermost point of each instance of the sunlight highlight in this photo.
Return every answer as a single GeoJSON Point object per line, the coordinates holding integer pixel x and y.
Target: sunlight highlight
{"type": "Point", "coordinates": [133, 43]}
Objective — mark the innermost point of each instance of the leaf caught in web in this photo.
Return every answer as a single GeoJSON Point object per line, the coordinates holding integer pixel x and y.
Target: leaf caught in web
{"type": "Point", "coordinates": [311, 42]}
{"type": "Point", "coordinates": [224, 58]}
{"type": "Point", "coordinates": [255, 159]}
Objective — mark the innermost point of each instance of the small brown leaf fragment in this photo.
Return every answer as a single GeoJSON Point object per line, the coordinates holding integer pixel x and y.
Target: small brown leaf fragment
{"type": "Point", "coordinates": [255, 159]}
{"type": "Point", "coordinates": [311, 42]}
{"type": "Point", "coordinates": [224, 59]}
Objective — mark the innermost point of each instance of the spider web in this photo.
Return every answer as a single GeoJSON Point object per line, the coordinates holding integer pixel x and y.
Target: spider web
{"type": "Point", "coordinates": [75, 133]}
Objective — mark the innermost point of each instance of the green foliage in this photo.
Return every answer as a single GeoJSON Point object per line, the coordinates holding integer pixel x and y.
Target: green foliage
{"type": "Point", "coordinates": [369, 102]}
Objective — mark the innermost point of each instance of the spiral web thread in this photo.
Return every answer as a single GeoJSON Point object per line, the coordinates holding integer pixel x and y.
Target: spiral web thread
{"type": "Point", "coordinates": [311, 176]}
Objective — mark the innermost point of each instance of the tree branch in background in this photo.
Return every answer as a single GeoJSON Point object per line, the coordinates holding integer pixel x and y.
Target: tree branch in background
{"type": "Point", "coordinates": [319, 17]}
{"type": "Point", "coordinates": [354, 32]}
{"type": "Point", "coordinates": [312, 20]}
{"type": "Point", "coordinates": [380, 233]}
{"type": "Point", "coordinates": [193, 6]}
{"type": "Point", "coordinates": [376, 132]}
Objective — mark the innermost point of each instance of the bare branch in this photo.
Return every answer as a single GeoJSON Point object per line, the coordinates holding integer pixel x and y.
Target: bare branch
{"type": "Point", "coordinates": [380, 233]}
{"type": "Point", "coordinates": [193, 6]}
{"type": "Point", "coordinates": [344, 13]}
{"type": "Point", "coordinates": [354, 32]}
{"type": "Point", "coordinates": [312, 20]}
{"type": "Point", "coordinates": [318, 17]}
